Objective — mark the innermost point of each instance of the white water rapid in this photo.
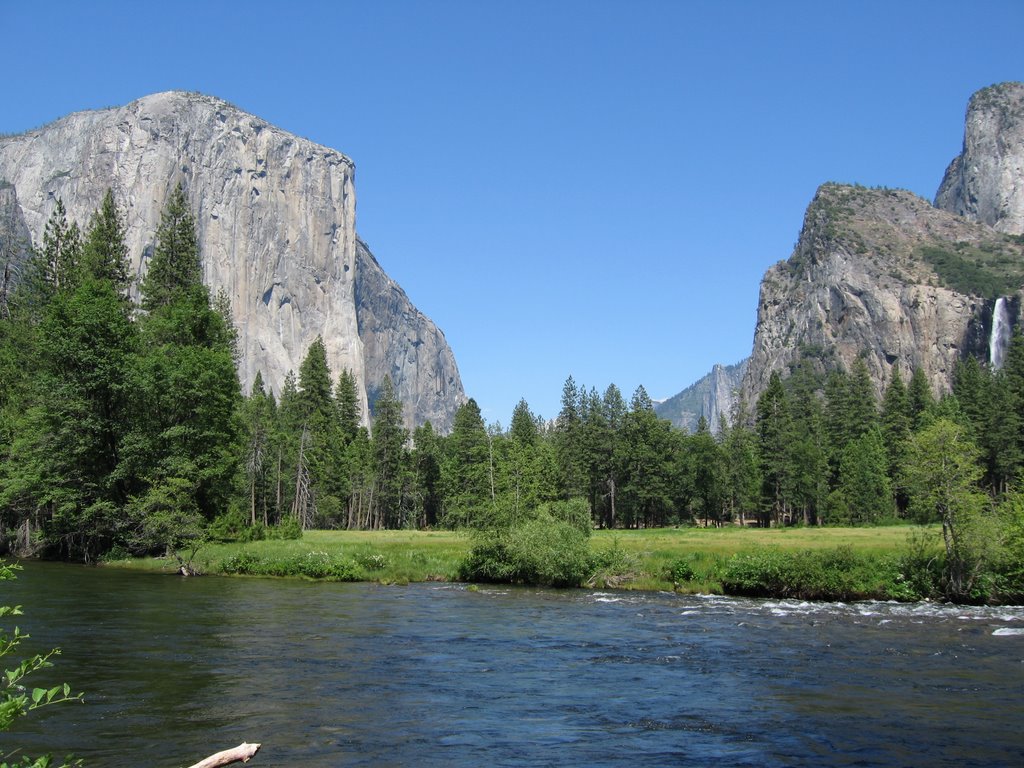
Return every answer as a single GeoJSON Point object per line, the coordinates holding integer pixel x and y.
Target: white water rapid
{"type": "Point", "coordinates": [999, 341]}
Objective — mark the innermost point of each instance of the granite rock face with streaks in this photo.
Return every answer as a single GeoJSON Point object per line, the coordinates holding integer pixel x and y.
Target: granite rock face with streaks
{"type": "Point", "coordinates": [859, 284]}
{"type": "Point", "coordinates": [275, 216]}
{"type": "Point", "coordinates": [986, 181]}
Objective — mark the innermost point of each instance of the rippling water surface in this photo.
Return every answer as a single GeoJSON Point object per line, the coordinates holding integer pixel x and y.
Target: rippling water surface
{"type": "Point", "coordinates": [432, 675]}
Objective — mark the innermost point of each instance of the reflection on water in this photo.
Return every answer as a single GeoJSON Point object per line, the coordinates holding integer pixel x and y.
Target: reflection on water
{"type": "Point", "coordinates": [331, 675]}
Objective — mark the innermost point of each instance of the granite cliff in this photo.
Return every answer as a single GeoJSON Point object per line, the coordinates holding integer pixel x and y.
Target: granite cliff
{"type": "Point", "coordinates": [712, 397]}
{"type": "Point", "coordinates": [275, 215]}
{"type": "Point", "coordinates": [986, 181]}
{"type": "Point", "coordinates": [884, 274]}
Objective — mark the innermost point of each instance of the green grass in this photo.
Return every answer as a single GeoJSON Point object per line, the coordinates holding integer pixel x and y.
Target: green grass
{"type": "Point", "coordinates": [643, 560]}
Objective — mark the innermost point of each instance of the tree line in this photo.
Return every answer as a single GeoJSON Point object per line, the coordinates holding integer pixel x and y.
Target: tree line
{"type": "Point", "coordinates": [123, 427]}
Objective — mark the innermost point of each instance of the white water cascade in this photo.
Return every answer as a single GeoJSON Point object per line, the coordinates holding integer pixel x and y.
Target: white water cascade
{"type": "Point", "coordinates": [999, 341]}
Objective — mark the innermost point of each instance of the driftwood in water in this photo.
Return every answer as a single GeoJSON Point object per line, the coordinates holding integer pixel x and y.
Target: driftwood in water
{"type": "Point", "coordinates": [240, 753]}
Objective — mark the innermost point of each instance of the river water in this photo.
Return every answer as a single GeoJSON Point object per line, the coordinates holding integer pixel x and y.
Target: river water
{"type": "Point", "coordinates": [440, 675]}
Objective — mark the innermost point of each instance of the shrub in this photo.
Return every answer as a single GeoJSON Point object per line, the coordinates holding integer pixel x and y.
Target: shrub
{"type": "Point", "coordinates": [834, 574]}
{"type": "Point", "coordinates": [544, 552]}
{"type": "Point", "coordinates": [288, 528]}
{"type": "Point", "coordinates": [232, 526]}
{"type": "Point", "coordinates": [371, 561]}
{"type": "Point", "coordinates": [312, 565]}
{"type": "Point", "coordinates": [918, 568]}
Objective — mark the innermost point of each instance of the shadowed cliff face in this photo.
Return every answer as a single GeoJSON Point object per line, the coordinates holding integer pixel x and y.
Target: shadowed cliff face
{"type": "Point", "coordinates": [884, 274]}
{"type": "Point", "coordinates": [401, 342]}
{"type": "Point", "coordinates": [986, 181]}
{"type": "Point", "coordinates": [275, 216]}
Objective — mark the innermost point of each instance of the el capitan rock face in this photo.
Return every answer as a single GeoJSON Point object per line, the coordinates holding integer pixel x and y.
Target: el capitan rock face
{"type": "Point", "coordinates": [275, 216]}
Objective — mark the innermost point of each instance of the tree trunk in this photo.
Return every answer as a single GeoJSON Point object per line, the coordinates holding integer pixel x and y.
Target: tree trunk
{"type": "Point", "coordinates": [242, 753]}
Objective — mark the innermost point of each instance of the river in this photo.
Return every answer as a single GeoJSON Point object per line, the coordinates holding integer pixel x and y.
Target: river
{"type": "Point", "coordinates": [441, 675]}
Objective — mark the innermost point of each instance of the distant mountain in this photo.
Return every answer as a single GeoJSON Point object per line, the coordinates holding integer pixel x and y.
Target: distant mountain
{"type": "Point", "coordinates": [711, 397]}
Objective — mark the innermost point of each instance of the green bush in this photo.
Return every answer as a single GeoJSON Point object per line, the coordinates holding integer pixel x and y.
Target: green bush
{"type": "Point", "coordinates": [918, 568]}
{"type": "Point", "coordinates": [682, 570]}
{"type": "Point", "coordinates": [288, 528]}
{"type": "Point", "coordinates": [833, 574]}
{"type": "Point", "coordinates": [543, 551]}
{"type": "Point", "coordinates": [312, 565]}
{"type": "Point", "coordinates": [233, 526]}
{"type": "Point", "coordinates": [371, 561]}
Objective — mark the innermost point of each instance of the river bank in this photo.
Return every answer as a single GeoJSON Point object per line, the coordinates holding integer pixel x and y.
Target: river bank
{"type": "Point", "coordinates": [686, 560]}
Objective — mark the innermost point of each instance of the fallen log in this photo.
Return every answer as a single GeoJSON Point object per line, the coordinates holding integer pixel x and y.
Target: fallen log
{"type": "Point", "coordinates": [243, 752]}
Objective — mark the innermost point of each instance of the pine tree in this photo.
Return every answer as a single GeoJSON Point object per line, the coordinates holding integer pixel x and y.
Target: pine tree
{"type": "Point", "coordinates": [519, 466]}
{"type": "Point", "coordinates": [568, 442]}
{"type": "Point", "coordinates": [809, 449]}
{"type": "Point", "coordinates": [743, 470]}
{"type": "Point", "coordinates": [185, 386]}
{"type": "Point", "coordinates": [465, 469]}
{"type": "Point", "coordinates": [920, 399]}
{"type": "Point", "coordinates": [347, 401]}
{"type": "Point", "coordinates": [773, 433]}
{"type": "Point", "coordinates": [864, 492]}
{"type": "Point", "coordinates": [895, 422]}
{"type": "Point", "coordinates": [258, 417]}
{"type": "Point", "coordinates": [649, 465]}
{"type": "Point", "coordinates": [426, 465]}
{"type": "Point", "coordinates": [174, 270]}
{"type": "Point", "coordinates": [707, 470]}
{"type": "Point", "coordinates": [388, 440]}
{"type": "Point", "coordinates": [104, 252]}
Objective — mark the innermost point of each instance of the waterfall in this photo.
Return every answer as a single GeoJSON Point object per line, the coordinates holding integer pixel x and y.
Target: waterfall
{"type": "Point", "coordinates": [1000, 339]}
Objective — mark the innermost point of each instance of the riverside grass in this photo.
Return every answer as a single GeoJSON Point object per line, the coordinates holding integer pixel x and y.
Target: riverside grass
{"type": "Point", "coordinates": [691, 560]}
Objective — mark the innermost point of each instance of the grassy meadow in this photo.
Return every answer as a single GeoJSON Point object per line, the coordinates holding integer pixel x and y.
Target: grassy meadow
{"type": "Point", "coordinates": [633, 559]}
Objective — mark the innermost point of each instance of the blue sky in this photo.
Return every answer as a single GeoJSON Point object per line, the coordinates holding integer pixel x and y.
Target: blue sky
{"type": "Point", "coordinates": [587, 188]}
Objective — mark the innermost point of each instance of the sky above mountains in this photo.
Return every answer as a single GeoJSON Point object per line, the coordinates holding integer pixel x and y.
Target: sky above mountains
{"type": "Point", "coordinates": [579, 187]}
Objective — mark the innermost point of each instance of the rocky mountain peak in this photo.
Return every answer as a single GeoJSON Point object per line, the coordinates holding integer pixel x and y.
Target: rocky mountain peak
{"type": "Point", "coordinates": [882, 274]}
{"type": "Point", "coordinates": [986, 181]}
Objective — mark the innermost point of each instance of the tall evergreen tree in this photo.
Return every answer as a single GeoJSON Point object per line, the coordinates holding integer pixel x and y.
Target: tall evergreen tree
{"type": "Point", "coordinates": [648, 465]}
{"type": "Point", "coordinates": [104, 252]}
{"type": "Point", "coordinates": [743, 470]}
{"type": "Point", "coordinates": [568, 442]}
{"type": "Point", "coordinates": [174, 270]}
{"type": "Point", "coordinates": [347, 400]}
{"type": "Point", "coordinates": [258, 418]}
{"type": "Point", "coordinates": [864, 494]}
{"type": "Point", "coordinates": [465, 469]}
{"type": "Point", "coordinates": [426, 466]}
{"type": "Point", "coordinates": [773, 433]}
{"type": "Point", "coordinates": [707, 471]}
{"type": "Point", "coordinates": [920, 399]}
{"type": "Point", "coordinates": [895, 420]}
{"type": "Point", "coordinates": [185, 441]}
{"type": "Point", "coordinates": [388, 439]}
{"type": "Point", "coordinates": [809, 448]}
{"type": "Point", "coordinates": [69, 443]}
